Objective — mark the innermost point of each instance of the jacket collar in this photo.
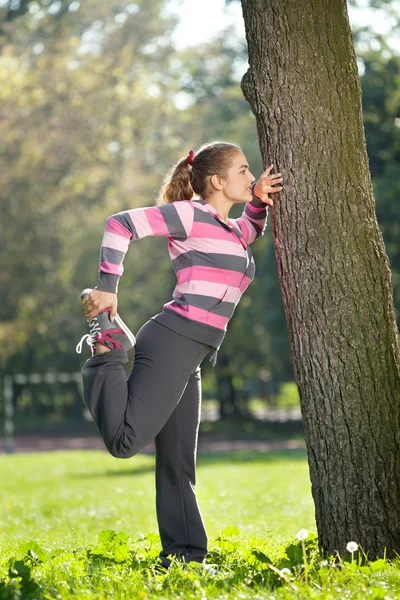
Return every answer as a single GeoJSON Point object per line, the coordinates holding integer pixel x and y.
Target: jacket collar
{"type": "Point", "coordinates": [217, 216]}
{"type": "Point", "coordinates": [213, 211]}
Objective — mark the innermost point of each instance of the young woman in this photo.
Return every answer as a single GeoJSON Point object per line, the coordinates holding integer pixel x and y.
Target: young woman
{"type": "Point", "coordinates": [161, 398]}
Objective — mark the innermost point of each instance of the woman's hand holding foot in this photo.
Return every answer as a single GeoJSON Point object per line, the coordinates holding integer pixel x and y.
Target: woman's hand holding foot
{"type": "Point", "coordinates": [97, 301]}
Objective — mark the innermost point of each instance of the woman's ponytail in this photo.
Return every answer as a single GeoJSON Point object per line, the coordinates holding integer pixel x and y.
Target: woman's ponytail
{"type": "Point", "coordinates": [191, 175]}
{"type": "Point", "coordinates": [177, 183]}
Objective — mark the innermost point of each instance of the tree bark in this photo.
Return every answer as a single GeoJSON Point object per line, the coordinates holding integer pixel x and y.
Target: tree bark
{"type": "Point", "coordinates": [304, 90]}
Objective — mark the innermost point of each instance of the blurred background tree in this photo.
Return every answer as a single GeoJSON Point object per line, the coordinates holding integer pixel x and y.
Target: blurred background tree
{"type": "Point", "coordinates": [96, 104]}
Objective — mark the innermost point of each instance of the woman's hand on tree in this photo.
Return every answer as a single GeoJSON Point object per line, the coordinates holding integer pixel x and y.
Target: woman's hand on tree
{"type": "Point", "coordinates": [267, 185]}
{"type": "Point", "coordinates": [97, 301]}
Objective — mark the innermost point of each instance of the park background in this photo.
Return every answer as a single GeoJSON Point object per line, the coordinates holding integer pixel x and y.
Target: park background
{"type": "Point", "coordinates": [97, 100]}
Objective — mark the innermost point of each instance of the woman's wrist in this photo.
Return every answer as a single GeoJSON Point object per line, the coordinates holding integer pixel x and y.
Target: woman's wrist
{"type": "Point", "coordinates": [253, 185]}
{"type": "Point", "coordinates": [107, 282]}
{"type": "Point", "coordinates": [256, 199]}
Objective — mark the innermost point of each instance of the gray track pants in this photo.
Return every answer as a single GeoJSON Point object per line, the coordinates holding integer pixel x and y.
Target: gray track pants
{"type": "Point", "coordinates": [160, 400]}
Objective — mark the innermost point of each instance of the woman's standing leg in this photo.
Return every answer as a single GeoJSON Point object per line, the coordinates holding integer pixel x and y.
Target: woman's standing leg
{"type": "Point", "coordinates": [180, 523]}
{"type": "Point", "coordinates": [161, 399]}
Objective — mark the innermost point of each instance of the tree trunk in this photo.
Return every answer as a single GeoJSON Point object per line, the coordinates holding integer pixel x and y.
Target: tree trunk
{"type": "Point", "coordinates": [303, 88]}
{"type": "Point", "coordinates": [226, 392]}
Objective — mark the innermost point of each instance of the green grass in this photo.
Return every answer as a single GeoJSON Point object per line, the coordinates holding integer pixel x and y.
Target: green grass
{"type": "Point", "coordinates": [54, 507]}
{"type": "Point", "coordinates": [231, 428]}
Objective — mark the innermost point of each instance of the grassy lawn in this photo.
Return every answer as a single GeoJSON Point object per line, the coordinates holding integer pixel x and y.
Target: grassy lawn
{"type": "Point", "coordinates": [54, 507]}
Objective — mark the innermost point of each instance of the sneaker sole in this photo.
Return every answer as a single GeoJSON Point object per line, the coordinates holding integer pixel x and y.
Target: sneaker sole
{"type": "Point", "coordinates": [117, 319]}
{"type": "Point", "coordinates": [125, 329]}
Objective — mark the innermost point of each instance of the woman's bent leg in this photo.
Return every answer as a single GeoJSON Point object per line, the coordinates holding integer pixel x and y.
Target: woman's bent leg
{"type": "Point", "coordinates": [105, 392]}
{"type": "Point", "coordinates": [180, 523]}
{"type": "Point", "coordinates": [129, 414]}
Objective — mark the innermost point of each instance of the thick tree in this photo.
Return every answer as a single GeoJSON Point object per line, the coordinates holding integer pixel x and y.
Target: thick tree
{"type": "Point", "coordinates": [304, 90]}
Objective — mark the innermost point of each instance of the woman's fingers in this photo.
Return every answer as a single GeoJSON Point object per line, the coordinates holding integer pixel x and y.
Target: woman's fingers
{"type": "Point", "coordinates": [91, 306]}
{"type": "Point", "coordinates": [273, 183]}
{"type": "Point", "coordinates": [97, 301]}
{"type": "Point", "coordinates": [113, 310]}
{"type": "Point", "coordinates": [87, 305]}
{"type": "Point", "coordinates": [273, 179]}
{"type": "Point", "coordinates": [267, 171]}
{"type": "Point", "coordinates": [268, 184]}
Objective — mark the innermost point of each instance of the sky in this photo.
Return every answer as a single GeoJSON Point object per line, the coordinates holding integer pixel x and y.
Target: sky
{"type": "Point", "coordinates": [210, 16]}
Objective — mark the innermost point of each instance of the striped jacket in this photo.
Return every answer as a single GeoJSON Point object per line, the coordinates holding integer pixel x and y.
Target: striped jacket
{"type": "Point", "coordinates": [212, 260]}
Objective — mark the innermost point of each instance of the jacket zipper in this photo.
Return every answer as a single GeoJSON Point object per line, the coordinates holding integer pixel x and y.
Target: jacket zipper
{"type": "Point", "coordinates": [214, 355]}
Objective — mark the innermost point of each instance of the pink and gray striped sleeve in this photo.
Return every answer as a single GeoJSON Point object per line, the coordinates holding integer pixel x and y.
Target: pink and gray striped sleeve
{"type": "Point", "coordinates": [253, 221]}
{"type": "Point", "coordinates": [171, 220]}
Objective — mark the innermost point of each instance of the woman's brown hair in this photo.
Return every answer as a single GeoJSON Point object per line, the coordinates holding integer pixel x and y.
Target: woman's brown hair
{"type": "Point", "coordinates": [185, 180]}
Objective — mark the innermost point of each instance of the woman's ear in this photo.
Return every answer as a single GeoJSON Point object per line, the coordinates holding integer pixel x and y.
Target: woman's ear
{"type": "Point", "coordinates": [216, 182]}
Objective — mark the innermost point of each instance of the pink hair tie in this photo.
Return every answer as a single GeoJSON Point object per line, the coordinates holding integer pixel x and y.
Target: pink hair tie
{"type": "Point", "coordinates": [190, 157]}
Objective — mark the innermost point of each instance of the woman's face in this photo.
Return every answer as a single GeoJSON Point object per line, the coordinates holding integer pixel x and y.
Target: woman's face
{"type": "Point", "coordinates": [237, 183]}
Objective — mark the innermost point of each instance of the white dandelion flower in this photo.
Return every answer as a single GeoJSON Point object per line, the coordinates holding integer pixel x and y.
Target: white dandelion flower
{"type": "Point", "coordinates": [302, 534]}
{"type": "Point", "coordinates": [323, 563]}
{"type": "Point", "coordinates": [352, 547]}
{"type": "Point", "coordinates": [285, 571]}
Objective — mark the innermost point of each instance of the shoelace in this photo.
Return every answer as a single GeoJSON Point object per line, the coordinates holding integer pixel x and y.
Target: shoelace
{"type": "Point", "coordinates": [90, 338]}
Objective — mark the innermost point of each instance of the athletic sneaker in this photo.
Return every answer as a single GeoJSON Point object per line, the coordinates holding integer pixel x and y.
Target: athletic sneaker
{"type": "Point", "coordinates": [212, 569]}
{"type": "Point", "coordinates": [112, 334]}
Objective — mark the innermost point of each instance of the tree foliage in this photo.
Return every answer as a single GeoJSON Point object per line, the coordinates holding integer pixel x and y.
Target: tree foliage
{"type": "Point", "coordinates": [96, 104]}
